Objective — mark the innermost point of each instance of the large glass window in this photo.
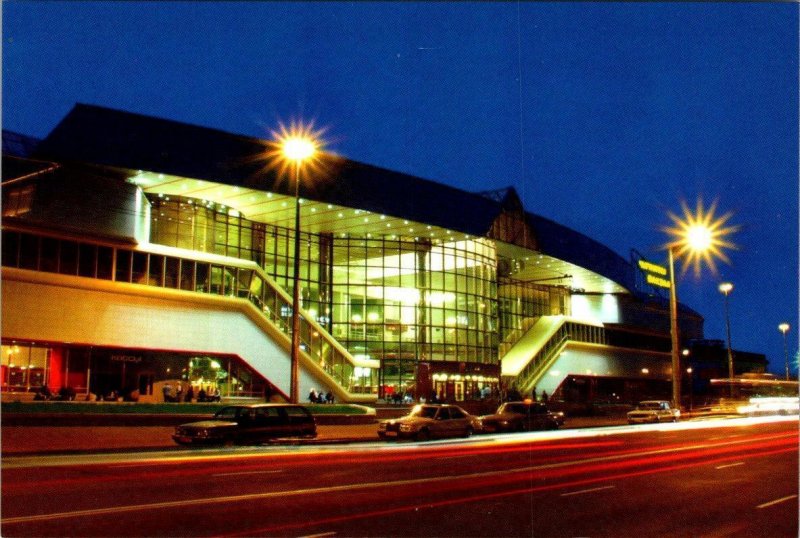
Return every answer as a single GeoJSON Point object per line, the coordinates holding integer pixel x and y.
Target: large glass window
{"type": "Point", "coordinates": [383, 298]}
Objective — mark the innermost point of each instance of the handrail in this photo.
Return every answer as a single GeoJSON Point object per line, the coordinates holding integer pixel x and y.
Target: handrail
{"type": "Point", "coordinates": [182, 269]}
{"type": "Point", "coordinates": [540, 362]}
{"type": "Point", "coordinates": [567, 330]}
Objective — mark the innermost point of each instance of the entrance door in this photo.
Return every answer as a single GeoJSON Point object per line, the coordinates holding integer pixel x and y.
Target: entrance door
{"type": "Point", "coordinates": [459, 391]}
{"type": "Point", "coordinates": [146, 384]}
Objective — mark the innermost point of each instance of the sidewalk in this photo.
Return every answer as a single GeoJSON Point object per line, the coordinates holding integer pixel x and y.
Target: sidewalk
{"type": "Point", "coordinates": [29, 440]}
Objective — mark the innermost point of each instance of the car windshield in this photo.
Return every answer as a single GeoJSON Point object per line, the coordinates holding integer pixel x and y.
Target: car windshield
{"type": "Point", "coordinates": [649, 405]}
{"type": "Point", "coordinates": [513, 408]}
{"type": "Point", "coordinates": [423, 411]}
{"type": "Point", "coordinates": [226, 413]}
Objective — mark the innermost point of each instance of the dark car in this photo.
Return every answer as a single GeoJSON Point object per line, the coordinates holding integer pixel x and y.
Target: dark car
{"type": "Point", "coordinates": [248, 424]}
{"type": "Point", "coordinates": [521, 416]}
{"type": "Point", "coordinates": [428, 421]}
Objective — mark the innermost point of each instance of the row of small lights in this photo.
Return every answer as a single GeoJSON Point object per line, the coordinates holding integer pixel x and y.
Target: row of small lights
{"type": "Point", "coordinates": [341, 214]}
{"type": "Point", "coordinates": [459, 377]}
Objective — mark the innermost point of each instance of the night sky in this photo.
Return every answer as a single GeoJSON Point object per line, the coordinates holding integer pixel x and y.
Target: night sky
{"type": "Point", "coordinates": [603, 116]}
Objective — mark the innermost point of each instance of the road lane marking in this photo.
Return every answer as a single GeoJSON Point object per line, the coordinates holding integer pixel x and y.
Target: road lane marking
{"type": "Point", "coordinates": [581, 492]}
{"type": "Point", "coordinates": [248, 472]}
{"type": "Point", "coordinates": [434, 504]}
{"type": "Point", "coordinates": [349, 487]}
{"type": "Point", "coordinates": [777, 501]}
{"type": "Point", "coordinates": [729, 465]}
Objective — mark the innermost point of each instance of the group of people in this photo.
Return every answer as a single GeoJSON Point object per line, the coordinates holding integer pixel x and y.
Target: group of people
{"type": "Point", "coordinates": [207, 394]}
{"type": "Point", "coordinates": [319, 397]}
{"type": "Point", "coordinates": [44, 393]}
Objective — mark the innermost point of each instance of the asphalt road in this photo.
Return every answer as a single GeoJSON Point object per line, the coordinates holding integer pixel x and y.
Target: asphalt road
{"type": "Point", "coordinates": [736, 478]}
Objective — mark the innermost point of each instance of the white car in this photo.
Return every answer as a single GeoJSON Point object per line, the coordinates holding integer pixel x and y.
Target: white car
{"type": "Point", "coordinates": [653, 411]}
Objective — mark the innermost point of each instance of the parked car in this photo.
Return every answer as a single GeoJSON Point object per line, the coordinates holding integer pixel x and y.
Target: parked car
{"type": "Point", "coordinates": [521, 416]}
{"type": "Point", "coordinates": [653, 411]}
{"type": "Point", "coordinates": [248, 424]}
{"type": "Point", "coordinates": [426, 421]}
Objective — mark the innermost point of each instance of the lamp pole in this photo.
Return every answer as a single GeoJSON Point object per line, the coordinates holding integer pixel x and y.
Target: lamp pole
{"type": "Point", "coordinates": [696, 238]}
{"type": "Point", "coordinates": [726, 288]}
{"type": "Point", "coordinates": [294, 395]}
{"type": "Point", "coordinates": [784, 328]}
{"type": "Point", "coordinates": [296, 149]}
{"type": "Point", "coordinates": [673, 325]}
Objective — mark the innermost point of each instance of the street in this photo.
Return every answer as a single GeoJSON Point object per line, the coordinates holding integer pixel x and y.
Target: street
{"type": "Point", "coordinates": [714, 478]}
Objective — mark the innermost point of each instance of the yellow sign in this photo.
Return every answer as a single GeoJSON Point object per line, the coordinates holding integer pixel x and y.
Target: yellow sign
{"type": "Point", "coordinates": [657, 281]}
{"type": "Point", "coordinates": [652, 268]}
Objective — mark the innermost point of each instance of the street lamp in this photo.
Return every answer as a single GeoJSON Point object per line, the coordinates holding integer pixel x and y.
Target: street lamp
{"type": "Point", "coordinates": [296, 149]}
{"type": "Point", "coordinates": [784, 328]}
{"type": "Point", "coordinates": [726, 288]}
{"type": "Point", "coordinates": [697, 237]}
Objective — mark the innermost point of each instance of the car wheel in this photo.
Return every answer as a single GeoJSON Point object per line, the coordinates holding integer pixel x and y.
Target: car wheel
{"type": "Point", "coordinates": [469, 432]}
{"type": "Point", "coordinates": [228, 442]}
{"type": "Point", "coordinates": [422, 435]}
{"type": "Point", "coordinates": [657, 420]}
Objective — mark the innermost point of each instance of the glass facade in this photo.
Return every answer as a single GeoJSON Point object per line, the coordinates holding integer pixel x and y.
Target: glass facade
{"type": "Point", "coordinates": [522, 303]}
{"type": "Point", "coordinates": [398, 300]}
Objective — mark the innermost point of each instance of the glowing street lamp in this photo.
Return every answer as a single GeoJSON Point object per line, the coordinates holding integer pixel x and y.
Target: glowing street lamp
{"type": "Point", "coordinates": [784, 328]}
{"type": "Point", "coordinates": [295, 147]}
{"type": "Point", "coordinates": [696, 237]}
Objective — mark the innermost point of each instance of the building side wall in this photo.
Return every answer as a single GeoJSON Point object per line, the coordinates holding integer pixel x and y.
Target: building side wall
{"type": "Point", "coordinates": [38, 311]}
{"type": "Point", "coordinates": [585, 359]}
{"type": "Point", "coordinates": [592, 307]}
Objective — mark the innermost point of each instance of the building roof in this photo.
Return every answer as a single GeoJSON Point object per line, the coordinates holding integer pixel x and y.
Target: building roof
{"type": "Point", "coordinates": [124, 140]}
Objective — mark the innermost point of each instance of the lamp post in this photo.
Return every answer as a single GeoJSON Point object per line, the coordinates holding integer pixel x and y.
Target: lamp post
{"type": "Point", "coordinates": [675, 338]}
{"type": "Point", "coordinates": [296, 149]}
{"type": "Point", "coordinates": [726, 288]}
{"type": "Point", "coordinates": [784, 328]}
{"type": "Point", "coordinates": [696, 238]}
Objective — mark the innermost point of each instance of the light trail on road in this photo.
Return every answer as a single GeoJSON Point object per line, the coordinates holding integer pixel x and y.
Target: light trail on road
{"type": "Point", "coordinates": [668, 459]}
{"type": "Point", "coordinates": [483, 497]}
{"type": "Point", "coordinates": [354, 488]}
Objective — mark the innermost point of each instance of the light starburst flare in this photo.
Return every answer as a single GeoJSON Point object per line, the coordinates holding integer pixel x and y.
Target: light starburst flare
{"type": "Point", "coordinates": [700, 237]}
{"type": "Point", "coordinates": [296, 146]}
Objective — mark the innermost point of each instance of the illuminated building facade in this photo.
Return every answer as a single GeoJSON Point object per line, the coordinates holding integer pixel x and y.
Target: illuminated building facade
{"type": "Point", "coordinates": [139, 251]}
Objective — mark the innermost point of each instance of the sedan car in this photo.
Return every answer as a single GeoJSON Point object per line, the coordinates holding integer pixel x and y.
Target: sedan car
{"type": "Point", "coordinates": [653, 411]}
{"type": "Point", "coordinates": [428, 421]}
{"type": "Point", "coordinates": [521, 416]}
{"type": "Point", "coordinates": [248, 424]}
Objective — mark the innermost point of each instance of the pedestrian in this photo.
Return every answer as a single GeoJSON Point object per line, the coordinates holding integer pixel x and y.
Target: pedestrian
{"type": "Point", "coordinates": [544, 396]}
{"type": "Point", "coordinates": [190, 394]}
{"type": "Point", "coordinates": [167, 391]}
{"type": "Point", "coordinates": [201, 396]}
{"type": "Point", "coordinates": [329, 397]}
{"type": "Point", "coordinates": [312, 396]}
{"type": "Point", "coordinates": [179, 393]}
{"type": "Point", "coordinates": [533, 394]}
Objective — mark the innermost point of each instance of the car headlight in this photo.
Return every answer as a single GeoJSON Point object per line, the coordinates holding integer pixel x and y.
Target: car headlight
{"type": "Point", "coordinates": [503, 422]}
{"type": "Point", "coordinates": [406, 427]}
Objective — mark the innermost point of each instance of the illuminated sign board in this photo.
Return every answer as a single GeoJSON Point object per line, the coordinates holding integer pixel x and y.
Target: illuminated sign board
{"type": "Point", "coordinates": [655, 275]}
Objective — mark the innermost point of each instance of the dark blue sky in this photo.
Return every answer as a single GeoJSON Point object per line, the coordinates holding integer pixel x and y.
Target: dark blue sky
{"type": "Point", "coordinates": [603, 116]}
